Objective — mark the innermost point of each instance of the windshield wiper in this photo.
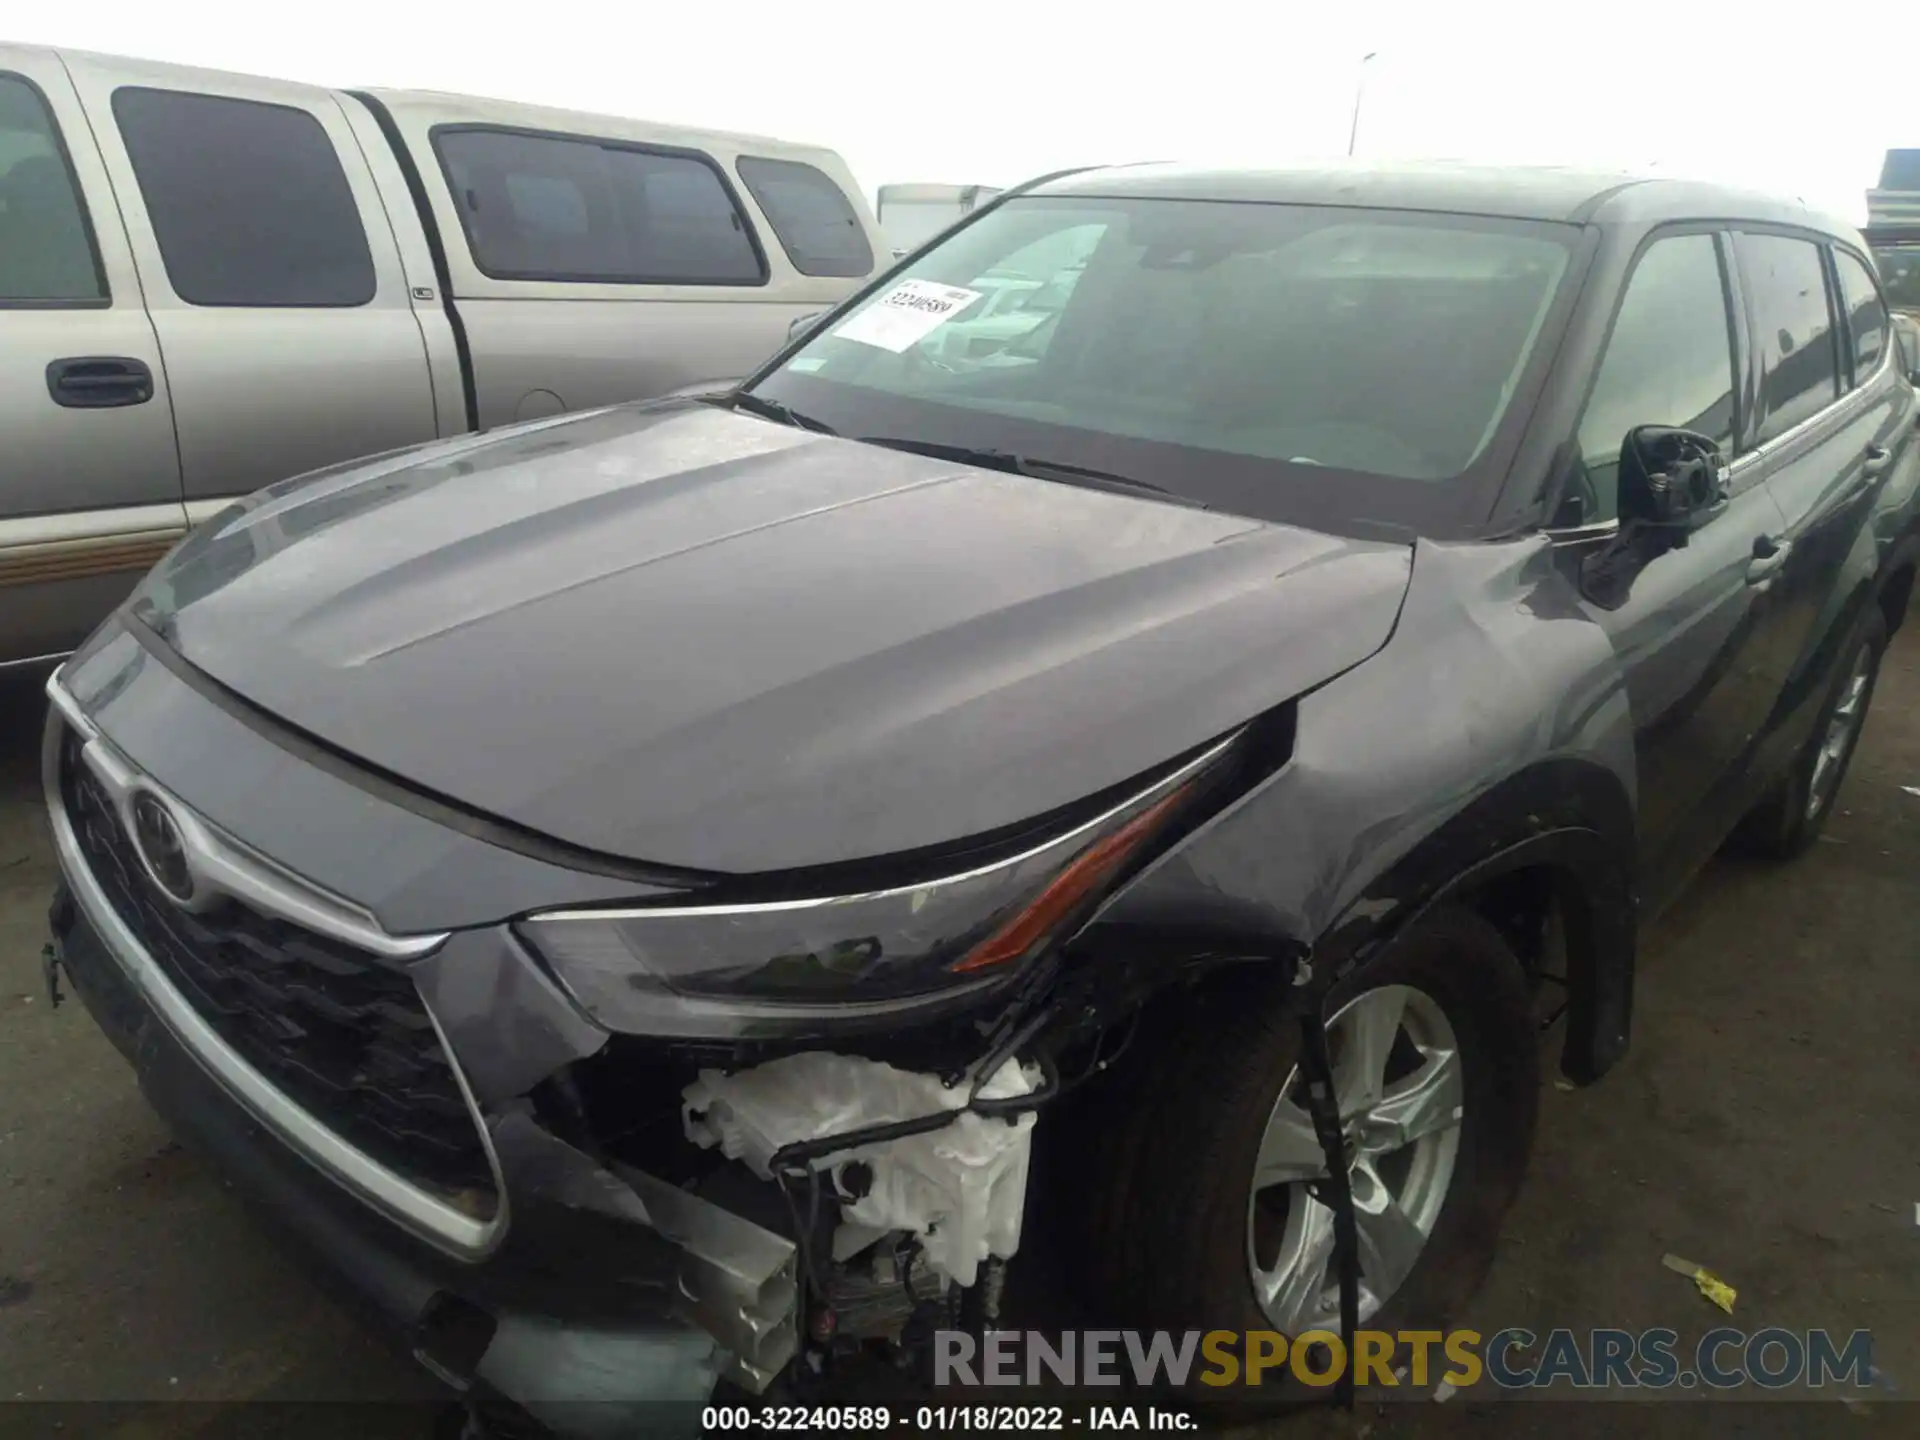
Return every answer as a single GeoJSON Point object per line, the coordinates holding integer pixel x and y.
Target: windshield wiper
{"type": "Point", "coordinates": [773, 410]}
{"type": "Point", "coordinates": [1039, 469]}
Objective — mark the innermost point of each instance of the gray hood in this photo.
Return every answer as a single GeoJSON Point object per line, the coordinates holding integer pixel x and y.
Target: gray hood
{"type": "Point", "coordinates": [688, 636]}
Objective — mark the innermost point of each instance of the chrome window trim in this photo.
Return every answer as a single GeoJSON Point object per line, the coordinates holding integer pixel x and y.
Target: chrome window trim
{"type": "Point", "coordinates": [1828, 414]}
{"type": "Point", "coordinates": [425, 1214]}
{"type": "Point", "coordinates": [1079, 832]}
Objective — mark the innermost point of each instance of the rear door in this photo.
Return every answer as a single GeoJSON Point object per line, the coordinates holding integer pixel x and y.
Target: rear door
{"type": "Point", "coordinates": [89, 478]}
{"type": "Point", "coordinates": [270, 269]}
{"type": "Point", "coordinates": [1834, 423]}
{"type": "Point", "coordinates": [1690, 630]}
{"type": "Point", "coordinates": [591, 266]}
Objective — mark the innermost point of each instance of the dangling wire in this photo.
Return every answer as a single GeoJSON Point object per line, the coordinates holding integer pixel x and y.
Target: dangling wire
{"type": "Point", "coordinates": [803, 1232]}
{"type": "Point", "coordinates": [1336, 1192]}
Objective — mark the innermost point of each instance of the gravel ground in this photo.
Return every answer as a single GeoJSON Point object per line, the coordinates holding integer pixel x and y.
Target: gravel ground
{"type": "Point", "coordinates": [1766, 1123]}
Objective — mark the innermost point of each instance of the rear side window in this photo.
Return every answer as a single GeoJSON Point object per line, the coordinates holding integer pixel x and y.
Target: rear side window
{"type": "Point", "coordinates": [1866, 314]}
{"type": "Point", "coordinates": [1669, 361]}
{"type": "Point", "coordinates": [1899, 275]}
{"type": "Point", "coordinates": [248, 201]}
{"type": "Point", "coordinates": [1787, 298]}
{"type": "Point", "coordinates": [549, 207]}
{"type": "Point", "coordinates": [46, 250]}
{"type": "Point", "coordinates": [811, 215]}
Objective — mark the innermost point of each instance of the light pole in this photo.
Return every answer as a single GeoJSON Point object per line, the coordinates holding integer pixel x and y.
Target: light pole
{"type": "Point", "coordinates": [1359, 93]}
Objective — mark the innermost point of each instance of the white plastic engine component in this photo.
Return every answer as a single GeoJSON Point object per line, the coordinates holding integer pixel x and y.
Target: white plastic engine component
{"type": "Point", "coordinates": [962, 1189]}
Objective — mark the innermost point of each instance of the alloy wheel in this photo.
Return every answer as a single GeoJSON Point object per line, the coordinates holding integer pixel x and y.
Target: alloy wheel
{"type": "Point", "coordinates": [1397, 1078]}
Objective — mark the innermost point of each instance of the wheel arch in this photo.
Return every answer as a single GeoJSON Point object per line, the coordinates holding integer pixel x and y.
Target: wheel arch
{"type": "Point", "coordinates": [1554, 837]}
{"type": "Point", "coordinates": [1557, 836]}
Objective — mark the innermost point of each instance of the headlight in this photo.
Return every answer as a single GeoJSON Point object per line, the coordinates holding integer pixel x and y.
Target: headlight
{"type": "Point", "coordinates": [733, 971]}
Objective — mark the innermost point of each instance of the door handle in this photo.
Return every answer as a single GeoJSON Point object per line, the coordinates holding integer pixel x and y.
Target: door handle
{"type": "Point", "coordinates": [1878, 457]}
{"type": "Point", "coordinates": [1769, 554]}
{"type": "Point", "coordinates": [95, 382]}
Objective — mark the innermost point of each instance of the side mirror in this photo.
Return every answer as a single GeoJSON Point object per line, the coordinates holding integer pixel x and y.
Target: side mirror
{"type": "Point", "coordinates": [1671, 482]}
{"type": "Point", "coordinates": [1670, 478]}
{"type": "Point", "coordinates": [803, 325]}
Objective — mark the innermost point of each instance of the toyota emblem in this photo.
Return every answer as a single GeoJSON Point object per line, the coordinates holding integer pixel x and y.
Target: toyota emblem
{"type": "Point", "coordinates": [156, 835]}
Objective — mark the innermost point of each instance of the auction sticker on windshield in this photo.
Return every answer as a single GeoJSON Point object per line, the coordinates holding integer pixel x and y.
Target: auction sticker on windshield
{"type": "Point", "coordinates": [907, 314]}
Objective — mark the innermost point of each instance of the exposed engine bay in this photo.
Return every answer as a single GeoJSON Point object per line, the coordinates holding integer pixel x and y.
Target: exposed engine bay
{"type": "Point", "coordinates": [829, 1203]}
{"type": "Point", "coordinates": [902, 1194]}
{"type": "Point", "coordinates": [905, 1201]}
{"type": "Point", "coordinates": [958, 1190]}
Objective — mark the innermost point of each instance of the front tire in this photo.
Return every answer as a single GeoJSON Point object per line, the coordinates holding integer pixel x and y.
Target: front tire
{"type": "Point", "coordinates": [1206, 1220]}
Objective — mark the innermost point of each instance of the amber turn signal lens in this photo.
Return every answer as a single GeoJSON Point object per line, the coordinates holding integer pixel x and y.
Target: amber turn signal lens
{"type": "Point", "coordinates": [1089, 870]}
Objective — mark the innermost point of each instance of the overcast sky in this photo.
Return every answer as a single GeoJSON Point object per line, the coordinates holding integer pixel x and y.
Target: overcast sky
{"type": "Point", "coordinates": [1791, 99]}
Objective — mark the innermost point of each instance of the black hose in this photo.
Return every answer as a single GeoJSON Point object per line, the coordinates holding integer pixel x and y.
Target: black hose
{"type": "Point", "coordinates": [998, 1056]}
{"type": "Point", "coordinates": [799, 1155]}
{"type": "Point", "coordinates": [792, 1157]}
{"type": "Point", "coordinates": [1048, 1092]}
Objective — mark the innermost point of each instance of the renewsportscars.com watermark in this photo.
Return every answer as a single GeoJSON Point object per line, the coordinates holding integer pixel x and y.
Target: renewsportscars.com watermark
{"type": "Point", "coordinates": [1415, 1360]}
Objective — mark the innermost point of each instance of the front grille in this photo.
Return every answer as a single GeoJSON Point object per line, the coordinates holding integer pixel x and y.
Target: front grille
{"type": "Point", "coordinates": [339, 1033]}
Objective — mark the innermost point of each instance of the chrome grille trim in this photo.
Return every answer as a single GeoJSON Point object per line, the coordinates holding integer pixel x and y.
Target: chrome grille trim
{"type": "Point", "coordinates": [229, 866]}
{"type": "Point", "coordinates": [425, 1214]}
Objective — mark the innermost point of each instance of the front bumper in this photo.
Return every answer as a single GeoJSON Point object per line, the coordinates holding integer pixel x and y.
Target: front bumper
{"type": "Point", "coordinates": [595, 1297]}
{"type": "Point", "coordinates": [555, 1338]}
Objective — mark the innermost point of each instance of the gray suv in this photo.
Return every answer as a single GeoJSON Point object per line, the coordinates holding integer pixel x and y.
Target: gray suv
{"type": "Point", "coordinates": [638, 896]}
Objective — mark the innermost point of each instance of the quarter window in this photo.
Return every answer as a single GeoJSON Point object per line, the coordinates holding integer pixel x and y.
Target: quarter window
{"type": "Point", "coordinates": [1669, 361]}
{"type": "Point", "coordinates": [812, 216]}
{"type": "Point", "coordinates": [1787, 298]}
{"type": "Point", "coordinates": [248, 201]}
{"type": "Point", "coordinates": [548, 207]}
{"type": "Point", "coordinates": [1866, 314]}
{"type": "Point", "coordinates": [46, 250]}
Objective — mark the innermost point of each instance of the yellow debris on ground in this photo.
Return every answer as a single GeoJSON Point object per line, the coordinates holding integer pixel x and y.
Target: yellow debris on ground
{"type": "Point", "coordinates": [1709, 1284]}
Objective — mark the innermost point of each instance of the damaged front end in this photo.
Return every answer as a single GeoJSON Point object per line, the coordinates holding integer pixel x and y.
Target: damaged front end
{"type": "Point", "coordinates": [818, 1202]}
{"type": "Point", "coordinates": [826, 1106]}
{"type": "Point", "coordinates": [597, 1159]}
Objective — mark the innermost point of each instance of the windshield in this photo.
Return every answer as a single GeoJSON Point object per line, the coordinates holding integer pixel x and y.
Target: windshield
{"type": "Point", "coordinates": [909, 224]}
{"type": "Point", "coordinates": [1280, 361]}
